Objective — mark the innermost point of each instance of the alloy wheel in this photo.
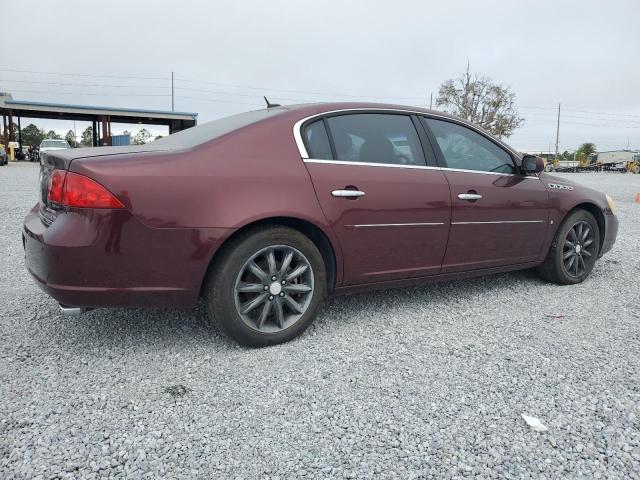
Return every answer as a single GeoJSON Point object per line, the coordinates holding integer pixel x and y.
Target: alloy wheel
{"type": "Point", "coordinates": [274, 288]}
{"type": "Point", "coordinates": [578, 249]}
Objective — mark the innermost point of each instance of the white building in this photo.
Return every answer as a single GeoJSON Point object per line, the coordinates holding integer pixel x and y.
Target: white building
{"type": "Point", "coordinates": [616, 156]}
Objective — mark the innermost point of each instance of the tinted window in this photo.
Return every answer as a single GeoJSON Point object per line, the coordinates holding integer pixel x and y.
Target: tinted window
{"type": "Point", "coordinates": [463, 148]}
{"type": "Point", "coordinates": [376, 138]}
{"type": "Point", "coordinates": [54, 143]}
{"type": "Point", "coordinates": [317, 141]}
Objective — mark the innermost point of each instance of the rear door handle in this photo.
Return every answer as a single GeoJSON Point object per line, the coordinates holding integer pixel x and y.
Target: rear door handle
{"type": "Point", "coordinates": [347, 193]}
{"type": "Point", "coordinates": [469, 196]}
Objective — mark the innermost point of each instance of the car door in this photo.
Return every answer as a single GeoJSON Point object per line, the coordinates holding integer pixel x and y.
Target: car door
{"type": "Point", "coordinates": [388, 205]}
{"type": "Point", "coordinates": [499, 216]}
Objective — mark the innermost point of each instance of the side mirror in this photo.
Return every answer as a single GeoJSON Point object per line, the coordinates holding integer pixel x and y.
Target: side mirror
{"type": "Point", "coordinates": [532, 164]}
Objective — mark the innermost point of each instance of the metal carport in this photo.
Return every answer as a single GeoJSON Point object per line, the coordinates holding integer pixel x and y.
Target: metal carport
{"type": "Point", "coordinates": [100, 117]}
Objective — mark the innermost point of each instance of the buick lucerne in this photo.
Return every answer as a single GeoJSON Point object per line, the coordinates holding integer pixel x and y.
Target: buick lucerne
{"type": "Point", "coordinates": [263, 214]}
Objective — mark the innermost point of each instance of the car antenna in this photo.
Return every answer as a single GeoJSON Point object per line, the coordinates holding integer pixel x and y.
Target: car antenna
{"type": "Point", "coordinates": [271, 105]}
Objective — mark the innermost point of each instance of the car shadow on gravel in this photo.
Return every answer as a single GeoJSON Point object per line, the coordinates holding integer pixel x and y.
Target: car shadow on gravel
{"type": "Point", "coordinates": [171, 328]}
{"type": "Point", "coordinates": [140, 328]}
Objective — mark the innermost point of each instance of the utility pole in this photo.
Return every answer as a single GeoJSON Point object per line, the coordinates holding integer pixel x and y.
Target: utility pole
{"type": "Point", "coordinates": [172, 97]}
{"type": "Point", "coordinates": [431, 102]}
{"type": "Point", "coordinates": [558, 132]}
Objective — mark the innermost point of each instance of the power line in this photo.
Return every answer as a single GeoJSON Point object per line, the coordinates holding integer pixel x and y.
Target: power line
{"type": "Point", "coordinates": [82, 84]}
{"type": "Point", "coordinates": [95, 94]}
{"type": "Point", "coordinates": [583, 123]}
{"type": "Point", "coordinates": [66, 74]}
{"type": "Point", "coordinates": [262, 89]}
{"type": "Point", "coordinates": [253, 87]}
{"type": "Point", "coordinates": [218, 92]}
{"type": "Point", "coordinates": [604, 113]}
{"type": "Point", "coordinates": [219, 100]}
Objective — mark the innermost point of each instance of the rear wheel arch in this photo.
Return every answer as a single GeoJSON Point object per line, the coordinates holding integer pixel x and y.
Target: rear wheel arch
{"type": "Point", "coordinates": [311, 231]}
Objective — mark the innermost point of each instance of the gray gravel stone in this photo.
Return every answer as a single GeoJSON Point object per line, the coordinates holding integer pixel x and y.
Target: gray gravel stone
{"type": "Point", "coordinates": [419, 383]}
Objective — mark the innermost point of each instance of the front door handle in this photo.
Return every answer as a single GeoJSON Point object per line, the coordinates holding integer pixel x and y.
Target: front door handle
{"type": "Point", "coordinates": [347, 193]}
{"type": "Point", "coordinates": [469, 196]}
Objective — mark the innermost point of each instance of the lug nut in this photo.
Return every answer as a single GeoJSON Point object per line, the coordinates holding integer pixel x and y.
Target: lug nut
{"type": "Point", "coordinates": [273, 278]}
{"type": "Point", "coordinates": [282, 294]}
{"type": "Point", "coordinates": [266, 287]}
{"type": "Point", "coordinates": [283, 282]}
{"type": "Point", "coordinates": [270, 297]}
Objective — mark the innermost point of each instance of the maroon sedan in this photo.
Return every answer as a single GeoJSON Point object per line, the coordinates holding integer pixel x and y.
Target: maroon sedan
{"type": "Point", "coordinates": [264, 213]}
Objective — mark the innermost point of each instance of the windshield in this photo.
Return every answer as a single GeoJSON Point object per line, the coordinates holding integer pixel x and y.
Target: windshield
{"type": "Point", "coordinates": [208, 131]}
{"type": "Point", "coordinates": [54, 143]}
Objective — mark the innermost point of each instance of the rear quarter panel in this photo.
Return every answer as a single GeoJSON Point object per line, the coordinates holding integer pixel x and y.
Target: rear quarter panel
{"type": "Point", "coordinates": [248, 175]}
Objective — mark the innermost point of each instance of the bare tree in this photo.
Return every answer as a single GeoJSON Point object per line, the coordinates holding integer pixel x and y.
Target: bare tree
{"type": "Point", "coordinates": [481, 101]}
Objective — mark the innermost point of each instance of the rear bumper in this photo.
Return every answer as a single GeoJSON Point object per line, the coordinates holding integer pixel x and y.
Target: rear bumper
{"type": "Point", "coordinates": [610, 232]}
{"type": "Point", "coordinates": [108, 258]}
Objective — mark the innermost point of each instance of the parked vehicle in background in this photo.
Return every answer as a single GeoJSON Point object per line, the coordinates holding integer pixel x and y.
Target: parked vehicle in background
{"type": "Point", "coordinates": [266, 212]}
{"type": "Point", "coordinates": [4, 156]}
{"type": "Point", "coordinates": [51, 145]}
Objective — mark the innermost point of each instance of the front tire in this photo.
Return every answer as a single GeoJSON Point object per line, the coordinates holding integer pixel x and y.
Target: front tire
{"type": "Point", "coordinates": [266, 287]}
{"type": "Point", "coordinates": [574, 250]}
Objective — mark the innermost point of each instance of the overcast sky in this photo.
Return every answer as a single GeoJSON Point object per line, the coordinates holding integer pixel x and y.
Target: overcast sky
{"type": "Point", "coordinates": [226, 55]}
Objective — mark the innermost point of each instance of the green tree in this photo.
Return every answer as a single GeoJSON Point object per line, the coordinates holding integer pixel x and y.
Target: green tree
{"type": "Point", "coordinates": [481, 101]}
{"type": "Point", "coordinates": [70, 137]}
{"type": "Point", "coordinates": [586, 151]}
{"type": "Point", "coordinates": [566, 155]}
{"type": "Point", "coordinates": [87, 137]}
{"type": "Point", "coordinates": [141, 137]}
{"type": "Point", "coordinates": [32, 135]}
{"type": "Point", "coordinates": [53, 135]}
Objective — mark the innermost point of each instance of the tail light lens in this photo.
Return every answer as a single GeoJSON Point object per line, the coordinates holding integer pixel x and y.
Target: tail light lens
{"type": "Point", "coordinates": [74, 190]}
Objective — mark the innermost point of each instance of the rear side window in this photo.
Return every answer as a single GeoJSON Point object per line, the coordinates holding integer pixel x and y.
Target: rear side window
{"type": "Point", "coordinates": [466, 149]}
{"type": "Point", "coordinates": [376, 138]}
{"type": "Point", "coordinates": [317, 141]}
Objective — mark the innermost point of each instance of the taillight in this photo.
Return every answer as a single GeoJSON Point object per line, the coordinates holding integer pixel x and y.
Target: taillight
{"type": "Point", "coordinates": [56, 182]}
{"type": "Point", "coordinates": [74, 190]}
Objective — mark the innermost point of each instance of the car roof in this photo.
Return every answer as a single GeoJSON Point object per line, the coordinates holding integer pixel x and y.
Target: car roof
{"type": "Point", "coordinates": [317, 108]}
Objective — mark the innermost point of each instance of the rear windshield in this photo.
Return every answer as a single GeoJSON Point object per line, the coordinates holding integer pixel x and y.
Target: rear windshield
{"type": "Point", "coordinates": [210, 130]}
{"type": "Point", "coordinates": [54, 143]}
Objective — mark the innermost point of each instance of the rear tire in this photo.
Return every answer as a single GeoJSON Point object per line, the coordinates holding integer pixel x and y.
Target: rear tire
{"type": "Point", "coordinates": [278, 310]}
{"type": "Point", "coordinates": [574, 250]}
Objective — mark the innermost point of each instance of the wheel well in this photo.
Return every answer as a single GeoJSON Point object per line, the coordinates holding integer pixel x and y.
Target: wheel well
{"type": "Point", "coordinates": [316, 235]}
{"type": "Point", "coordinates": [597, 213]}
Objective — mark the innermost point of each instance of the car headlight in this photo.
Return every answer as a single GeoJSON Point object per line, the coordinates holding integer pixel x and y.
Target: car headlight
{"type": "Point", "coordinates": [611, 204]}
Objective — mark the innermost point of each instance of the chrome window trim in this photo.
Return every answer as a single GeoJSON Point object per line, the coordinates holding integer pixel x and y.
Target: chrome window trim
{"type": "Point", "coordinates": [376, 225]}
{"type": "Point", "coordinates": [297, 134]}
{"type": "Point", "coordinates": [498, 221]}
{"type": "Point", "coordinates": [481, 172]}
{"type": "Point", "coordinates": [368, 164]}
{"type": "Point", "coordinates": [415, 167]}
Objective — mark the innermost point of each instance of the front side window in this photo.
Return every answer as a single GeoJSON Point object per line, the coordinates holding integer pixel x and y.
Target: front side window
{"type": "Point", "coordinates": [317, 141]}
{"type": "Point", "coordinates": [468, 150]}
{"type": "Point", "coordinates": [376, 138]}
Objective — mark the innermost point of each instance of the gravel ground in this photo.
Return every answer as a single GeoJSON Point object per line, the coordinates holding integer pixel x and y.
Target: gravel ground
{"type": "Point", "coordinates": [426, 382]}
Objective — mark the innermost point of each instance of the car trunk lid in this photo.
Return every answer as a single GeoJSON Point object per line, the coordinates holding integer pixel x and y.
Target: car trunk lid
{"type": "Point", "coordinates": [62, 159]}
